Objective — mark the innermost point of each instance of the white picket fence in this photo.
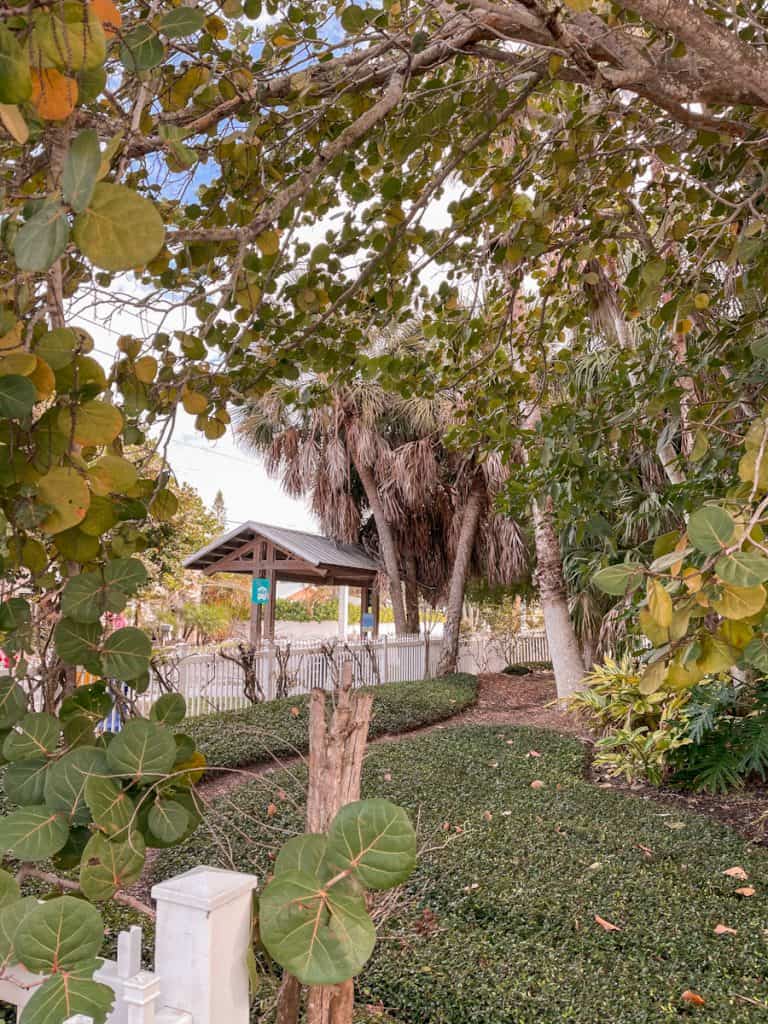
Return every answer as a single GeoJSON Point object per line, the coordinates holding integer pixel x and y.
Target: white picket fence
{"type": "Point", "coordinates": [211, 682]}
{"type": "Point", "coordinates": [203, 929]}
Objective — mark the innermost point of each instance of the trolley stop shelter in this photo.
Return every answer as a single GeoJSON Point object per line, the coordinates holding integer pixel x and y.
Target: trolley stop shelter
{"type": "Point", "coordinates": [272, 555]}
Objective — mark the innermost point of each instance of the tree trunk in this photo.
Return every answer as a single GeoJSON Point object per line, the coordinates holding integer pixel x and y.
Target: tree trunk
{"type": "Point", "coordinates": [336, 751]}
{"type": "Point", "coordinates": [469, 524]}
{"type": "Point", "coordinates": [561, 637]}
{"type": "Point", "coordinates": [388, 548]}
{"type": "Point", "coordinates": [412, 623]}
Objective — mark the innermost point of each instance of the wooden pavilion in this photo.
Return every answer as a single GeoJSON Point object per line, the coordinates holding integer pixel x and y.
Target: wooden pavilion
{"type": "Point", "coordinates": [272, 555]}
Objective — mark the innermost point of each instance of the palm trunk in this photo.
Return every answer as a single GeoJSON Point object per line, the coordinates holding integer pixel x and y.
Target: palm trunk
{"type": "Point", "coordinates": [469, 524]}
{"type": "Point", "coordinates": [561, 637]}
{"type": "Point", "coordinates": [387, 542]}
{"type": "Point", "coordinates": [412, 623]}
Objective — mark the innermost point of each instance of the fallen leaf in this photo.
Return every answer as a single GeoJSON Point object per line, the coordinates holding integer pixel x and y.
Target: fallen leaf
{"type": "Point", "coordinates": [446, 826]}
{"type": "Point", "coordinates": [646, 850]}
{"type": "Point", "coordinates": [487, 816]}
{"type": "Point", "coordinates": [537, 784]}
{"type": "Point", "coordinates": [692, 997]}
{"type": "Point", "coordinates": [281, 794]}
{"type": "Point", "coordinates": [745, 890]}
{"type": "Point", "coordinates": [737, 872]}
{"type": "Point", "coordinates": [271, 810]}
{"type": "Point", "coordinates": [533, 753]}
{"type": "Point", "coordinates": [295, 712]}
{"type": "Point", "coordinates": [606, 924]}
{"type": "Point", "coordinates": [675, 824]}
{"type": "Point", "coordinates": [723, 929]}
{"type": "Point", "coordinates": [387, 776]}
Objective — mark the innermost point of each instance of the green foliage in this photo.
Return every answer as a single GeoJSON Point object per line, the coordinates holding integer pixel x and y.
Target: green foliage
{"type": "Point", "coordinates": [641, 730]}
{"type": "Point", "coordinates": [524, 887]}
{"type": "Point", "coordinates": [312, 915]}
{"type": "Point", "coordinates": [272, 730]}
{"type": "Point", "coordinates": [526, 668]}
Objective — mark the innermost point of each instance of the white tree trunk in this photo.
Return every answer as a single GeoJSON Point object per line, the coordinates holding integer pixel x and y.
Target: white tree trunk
{"type": "Point", "coordinates": [561, 636]}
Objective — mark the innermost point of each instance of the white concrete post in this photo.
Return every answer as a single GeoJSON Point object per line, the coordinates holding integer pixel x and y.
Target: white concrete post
{"type": "Point", "coordinates": [79, 1018]}
{"type": "Point", "coordinates": [343, 612]}
{"type": "Point", "coordinates": [202, 935]}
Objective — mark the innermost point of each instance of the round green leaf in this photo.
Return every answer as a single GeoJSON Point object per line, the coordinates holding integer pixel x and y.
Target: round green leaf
{"type": "Point", "coordinates": [322, 938]}
{"type": "Point", "coordinates": [760, 347]}
{"type": "Point", "coordinates": [108, 865]}
{"type": "Point", "coordinates": [86, 597]}
{"type": "Point", "coordinates": [77, 643]}
{"type": "Point", "coordinates": [69, 36]}
{"type": "Point", "coordinates": [739, 602]}
{"type": "Point", "coordinates": [112, 474]}
{"type": "Point", "coordinates": [126, 573]}
{"type": "Point", "coordinates": [15, 77]}
{"type": "Point", "coordinates": [305, 853]}
{"type": "Point", "coordinates": [13, 702]}
{"type": "Point", "coordinates": [126, 653]}
{"type": "Point", "coordinates": [376, 839]}
{"type": "Point", "coordinates": [101, 517]}
{"type": "Point", "coordinates": [756, 654]}
{"type": "Point", "coordinates": [169, 709]}
{"type": "Point", "coordinates": [164, 505]}
{"type": "Point", "coordinates": [141, 751]}
{"type": "Point", "coordinates": [81, 168]}
{"type": "Point", "coordinates": [142, 49]}
{"type": "Point", "coordinates": [742, 569]}
{"type": "Point", "coordinates": [9, 889]}
{"type": "Point", "coordinates": [710, 528]}
{"type": "Point", "coordinates": [110, 806]}
{"type": "Point", "coordinates": [353, 18]}
{"type": "Point", "coordinates": [615, 579]}
{"type": "Point", "coordinates": [33, 833]}
{"type": "Point", "coordinates": [57, 347]}
{"type": "Point", "coordinates": [183, 21]}
{"type": "Point", "coordinates": [36, 735]}
{"type": "Point", "coordinates": [11, 918]}
{"type": "Point", "coordinates": [66, 780]}
{"type": "Point", "coordinates": [64, 995]}
{"type": "Point", "coordinates": [120, 230]}
{"type": "Point", "coordinates": [95, 423]}
{"type": "Point", "coordinates": [24, 781]}
{"type": "Point", "coordinates": [43, 238]}
{"type": "Point", "coordinates": [58, 935]}
{"type": "Point", "coordinates": [17, 396]}
{"type": "Point", "coordinates": [92, 700]}
{"type": "Point", "coordinates": [168, 820]}
{"type": "Point", "coordinates": [71, 853]}
{"type": "Point", "coordinates": [77, 546]}
{"type": "Point", "coordinates": [66, 493]}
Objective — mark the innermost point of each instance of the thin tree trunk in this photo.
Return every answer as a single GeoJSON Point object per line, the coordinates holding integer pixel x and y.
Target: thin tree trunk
{"type": "Point", "coordinates": [469, 524]}
{"type": "Point", "coordinates": [388, 547]}
{"type": "Point", "coordinates": [412, 623]}
{"type": "Point", "coordinates": [561, 636]}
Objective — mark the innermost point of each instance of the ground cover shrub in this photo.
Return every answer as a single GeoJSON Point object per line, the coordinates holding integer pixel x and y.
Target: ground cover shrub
{"type": "Point", "coordinates": [497, 924]}
{"type": "Point", "coordinates": [527, 668]}
{"type": "Point", "coordinates": [277, 729]}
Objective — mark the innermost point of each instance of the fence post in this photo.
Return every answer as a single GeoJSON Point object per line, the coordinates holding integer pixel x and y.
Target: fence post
{"type": "Point", "coordinates": [386, 659]}
{"type": "Point", "coordinates": [203, 933]}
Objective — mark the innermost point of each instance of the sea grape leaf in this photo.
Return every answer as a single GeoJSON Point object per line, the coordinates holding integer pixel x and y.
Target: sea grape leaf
{"type": "Point", "coordinates": [376, 839]}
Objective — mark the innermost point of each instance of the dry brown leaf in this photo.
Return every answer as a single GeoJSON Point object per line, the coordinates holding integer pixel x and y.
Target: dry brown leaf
{"type": "Point", "coordinates": [295, 712]}
{"type": "Point", "coordinates": [533, 753]}
{"type": "Point", "coordinates": [692, 998]}
{"type": "Point", "coordinates": [271, 810]}
{"type": "Point", "coordinates": [53, 95]}
{"type": "Point", "coordinates": [646, 850]}
{"type": "Point", "coordinates": [737, 872]}
{"type": "Point", "coordinates": [745, 890]}
{"type": "Point", "coordinates": [723, 929]}
{"type": "Point", "coordinates": [607, 925]}
{"type": "Point", "coordinates": [487, 816]}
{"type": "Point", "coordinates": [537, 784]}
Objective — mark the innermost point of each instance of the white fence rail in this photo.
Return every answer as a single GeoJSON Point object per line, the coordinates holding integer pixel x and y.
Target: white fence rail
{"type": "Point", "coordinates": [200, 975]}
{"type": "Point", "coordinates": [211, 681]}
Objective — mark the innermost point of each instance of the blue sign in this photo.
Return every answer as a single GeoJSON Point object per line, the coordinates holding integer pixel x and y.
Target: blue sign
{"type": "Point", "coordinates": [367, 620]}
{"type": "Point", "coordinates": [259, 591]}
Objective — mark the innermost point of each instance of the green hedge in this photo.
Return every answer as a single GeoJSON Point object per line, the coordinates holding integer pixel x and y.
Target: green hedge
{"type": "Point", "coordinates": [273, 730]}
{"type": "Point", "coordinates": [510, 936]}
{"type": "Point", "coordinates": [526, 668]}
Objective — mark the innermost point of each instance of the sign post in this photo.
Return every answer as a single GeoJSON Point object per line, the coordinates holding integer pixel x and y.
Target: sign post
{"type": "Point", "coordinates": [260, 590]}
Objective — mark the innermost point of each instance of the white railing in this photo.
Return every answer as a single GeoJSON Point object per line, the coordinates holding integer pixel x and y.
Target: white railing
{"type": "Point", "coordinates": [200, 975]}
{"type": "Point", "coordinates": [211, 682]}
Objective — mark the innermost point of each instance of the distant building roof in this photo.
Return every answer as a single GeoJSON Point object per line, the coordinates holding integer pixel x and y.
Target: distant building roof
{"type": "Point", "coordinates": [311, 548]}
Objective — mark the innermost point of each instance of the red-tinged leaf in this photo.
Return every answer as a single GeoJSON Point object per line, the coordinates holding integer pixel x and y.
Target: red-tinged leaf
{"type": "Point", "coordinates": [533, 753]}
{"type": "Point", "coordinates": [487, 816]}
{"type": "Point", "coordinates": [692, 998]}
{"type": "Point", "coordinates": [745, 890]}
{"type": "Point", "coordinates": [271, 810]}
{"type": "Point", "coordinates": [737, 872]}
{"type": "Point", "coordinates": [281, 794]}
{"type": "Point", "coordinates": [607, 925]}
{"type": "Point", "coordinates": [646, 850]}
{"type": "Point", "coordinates": [387, 776]}
{"type": "Point", "coordinates": [723, 929]}
{"type": "Point", "coordinates": [295, 712]}
{"type": "Point", "coordinates": [537, 784]}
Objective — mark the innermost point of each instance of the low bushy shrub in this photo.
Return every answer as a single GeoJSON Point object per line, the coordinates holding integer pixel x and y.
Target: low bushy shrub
{"type": "Point", "coordinates": [527, 668]}
{"type": "Point", "coordinates": [277, 729]}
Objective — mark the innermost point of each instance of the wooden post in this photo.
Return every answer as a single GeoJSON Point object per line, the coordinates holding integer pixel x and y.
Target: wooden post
{"type": "Point", "coordinates": [375, 603]}
{"type": "Point", "coordinates": [336, 751]}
